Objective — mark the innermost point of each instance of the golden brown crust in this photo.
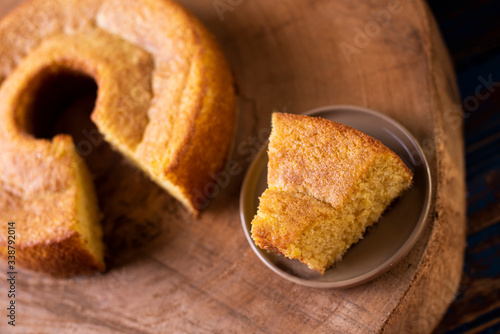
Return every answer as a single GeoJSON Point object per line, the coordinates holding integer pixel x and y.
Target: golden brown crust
{"type": "Point", "coordinates": [60, 258]}
{"type": "Point", "coordinates": [344, 155]}
{"type": "Point", "coordinates": [45, 211]}
{"type": "Point", "coordinates": [166, 100]}
{"type": "Point", "coordinates": [327, 183]}
{"type": "Point", "coordinates": [215, 118]}
{"type": "Point", "coordinates": [194, 119]}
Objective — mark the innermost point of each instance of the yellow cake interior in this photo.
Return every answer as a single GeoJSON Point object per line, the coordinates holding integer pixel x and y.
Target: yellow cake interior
{"type": "Point", "coordinates": [88, 215]}
{"type": "Point", "coordinates": [314, 231]}
{"type": "Point", "coordinates": [164, 98]}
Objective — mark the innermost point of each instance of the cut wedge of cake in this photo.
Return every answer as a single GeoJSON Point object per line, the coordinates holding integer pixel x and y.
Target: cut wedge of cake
{"type": "Point", "coordinates": [327, 183]}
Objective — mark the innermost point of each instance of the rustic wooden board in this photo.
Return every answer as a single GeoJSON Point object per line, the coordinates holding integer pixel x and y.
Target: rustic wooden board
{"type": "Point", "coordinates": [477, 55]}
{"type": "Point", "coordinates": [171, 272]}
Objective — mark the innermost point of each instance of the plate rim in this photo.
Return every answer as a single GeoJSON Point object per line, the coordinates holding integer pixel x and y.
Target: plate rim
{"type": "Point", "coordinates": [386, 265]}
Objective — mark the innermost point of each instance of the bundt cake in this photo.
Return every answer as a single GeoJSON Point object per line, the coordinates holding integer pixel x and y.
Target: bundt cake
{"type": "Point", "coordinates": [327, 183]}
{"type": "Point", "coordinates": [165, 100]}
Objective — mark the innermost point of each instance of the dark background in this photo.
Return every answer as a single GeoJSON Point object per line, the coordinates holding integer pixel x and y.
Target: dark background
{"type": "Point", "coordinates": [471, 30]}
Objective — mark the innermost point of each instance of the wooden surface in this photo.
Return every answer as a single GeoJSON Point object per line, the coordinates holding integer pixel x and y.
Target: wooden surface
{"type": "Point", "coordinates": [169, 272]}
{"type": "Point", "coordinates": [471, 30]}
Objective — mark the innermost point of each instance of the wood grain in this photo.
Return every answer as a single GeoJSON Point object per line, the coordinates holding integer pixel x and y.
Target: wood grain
{"type": "Point", "coordinates": [169, 272]}
{"type": "Point", "coordinates": [477, 55]}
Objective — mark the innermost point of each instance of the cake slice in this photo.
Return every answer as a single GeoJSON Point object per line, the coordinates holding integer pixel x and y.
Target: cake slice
{"type": "Point", "coordinates": [56, 220]}
{"type": "Point", "coordinates": [327, 183]}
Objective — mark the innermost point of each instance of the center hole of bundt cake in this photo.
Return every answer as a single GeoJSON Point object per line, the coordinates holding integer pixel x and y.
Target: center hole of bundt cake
{"type": "Point", "coordinates": [61, 102]}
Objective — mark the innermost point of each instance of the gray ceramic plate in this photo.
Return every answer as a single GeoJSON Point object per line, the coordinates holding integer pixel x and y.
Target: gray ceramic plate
{"type": "Point", "coordinates": [386, 242]}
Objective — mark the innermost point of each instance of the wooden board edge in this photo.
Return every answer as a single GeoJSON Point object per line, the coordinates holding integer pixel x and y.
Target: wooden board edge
{"type": "Point", "coordinates": [435, 283]}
